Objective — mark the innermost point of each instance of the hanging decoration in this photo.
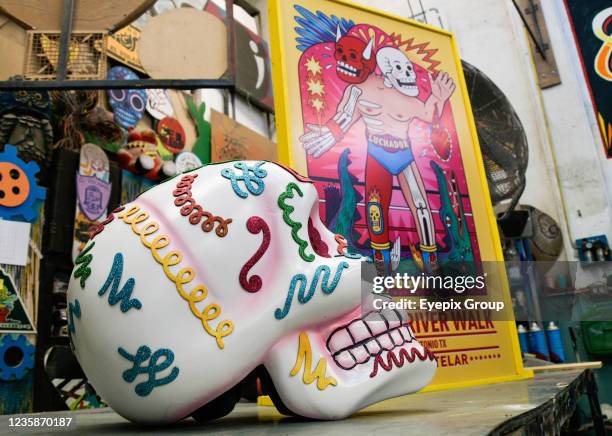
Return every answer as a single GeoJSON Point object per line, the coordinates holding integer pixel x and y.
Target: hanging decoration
{"type": "Point", "coordinates": [20, 195]}
{"type": "Point", "coordinates": [9, 371]}
{"type": "Point", "coordinates": [25, 121]}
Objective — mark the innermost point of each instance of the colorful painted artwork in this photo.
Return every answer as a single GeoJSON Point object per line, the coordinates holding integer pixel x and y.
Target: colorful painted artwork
{"type": "Point", "coordinates": [123, 46]}
{"type": "Point", "coordinates": [591, 23]}
{"type": "Point", "coordinates": [374, 110]}
{"type": "Point", "coordinates": [231, 140]}
{"type": "Point", "coordinates": [13, 314]}
{"type": "Point", "coordinates": [128, 104]}
{"type": "Point", "coordinates": [378, 129]}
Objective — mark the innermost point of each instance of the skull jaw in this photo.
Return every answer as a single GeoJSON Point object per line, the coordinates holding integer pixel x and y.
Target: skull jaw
{"type": "Point", "coordinates": [350, 73]}
{"type": "Point", "coordinates": [362, 385]}
{"type": "Point", "coordinates": [355, 388]}
{"type": "Point", "coordinates": [407, 87]}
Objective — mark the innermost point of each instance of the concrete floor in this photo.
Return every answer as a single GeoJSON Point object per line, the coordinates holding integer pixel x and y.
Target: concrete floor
{"type": "Point", "coordinates": [470, 411]}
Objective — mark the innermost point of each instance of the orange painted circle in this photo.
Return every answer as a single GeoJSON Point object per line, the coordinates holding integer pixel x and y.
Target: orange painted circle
{"type": "Point", "coordinates": [14, 185]}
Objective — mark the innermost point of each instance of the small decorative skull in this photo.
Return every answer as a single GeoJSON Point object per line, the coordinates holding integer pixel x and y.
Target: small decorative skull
{"type": "Point", "coordinates": [354, 58]}
{"type": "Point", "coordinates": [127, 104]}
{"type": "Point", "coordinates": [397, 70]}
{"type": "Point", "coordinates": [218, 272]}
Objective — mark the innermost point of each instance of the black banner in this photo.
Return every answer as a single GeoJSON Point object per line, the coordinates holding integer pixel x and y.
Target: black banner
{"type": "Point", "coordinates": [592, 26]}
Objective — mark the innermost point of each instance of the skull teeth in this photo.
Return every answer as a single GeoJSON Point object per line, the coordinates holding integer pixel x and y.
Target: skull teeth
{"type": "Point", "coordinates": [355, 343]}
{"type": "Point", "coordinates": [347, 69]}
{"type": "Point", "coordinates": [407, 83]}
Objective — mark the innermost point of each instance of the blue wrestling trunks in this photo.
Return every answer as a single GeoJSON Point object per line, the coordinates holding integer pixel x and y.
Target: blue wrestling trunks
{"type": "Point", "coordinates": [392, 153]}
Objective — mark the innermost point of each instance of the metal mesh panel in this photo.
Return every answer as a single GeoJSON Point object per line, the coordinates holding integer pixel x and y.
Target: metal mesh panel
{"type": "Point", "coordinates": [86, 59]}
{"type": "Point", "coordinates": [501, 136]}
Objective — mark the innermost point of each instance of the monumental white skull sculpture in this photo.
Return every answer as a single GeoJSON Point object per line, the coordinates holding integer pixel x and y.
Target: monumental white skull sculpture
{"type": "Point", "coordinates": [397, 70]}
{"type": "Point", "coordinates": [216, 272]}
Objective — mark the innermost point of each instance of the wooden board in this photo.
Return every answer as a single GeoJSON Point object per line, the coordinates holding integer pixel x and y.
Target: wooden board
{"type": "Point", "coordinates": [88, 14]}
{"type": "Point", "coordinates": [548, 73]}
{"type": "Point", "coordinates": [123, 47]}
{"type": "Point", "coordinates": [231, 140]}
{"type": "Point", "coordinates": [567, 366]}
{"type": "Point", "coordinates": [181, 113]}
{"type": "Point", "coordinates": [13, 41]}
{"type": "Point", "coordinates": [184, 43]}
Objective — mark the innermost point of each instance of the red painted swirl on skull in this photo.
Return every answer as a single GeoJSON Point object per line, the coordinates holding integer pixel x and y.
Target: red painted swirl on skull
{"type": "Point", "coordinates": [255, 225]}
{"type": "Point", "coordinates": [189, 207]}
{"type": "Point", "coordinates": [318, 244]}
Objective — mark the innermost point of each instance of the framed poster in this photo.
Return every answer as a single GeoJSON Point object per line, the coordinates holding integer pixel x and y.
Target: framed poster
{"type": "Point", "coordinates": [591, 24]}
{"type": "Point", "coordinates": [374, 109]}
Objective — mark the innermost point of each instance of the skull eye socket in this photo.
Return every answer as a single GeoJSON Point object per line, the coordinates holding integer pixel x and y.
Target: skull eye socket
{"type": "Point", "coordinates": [353, 56]}
{"type": "Point", "coordinates": [409, 67]}
{"type": "Point", "coordinates": [339, 50]}
{"type": "Point", "coordinates": [118, 94]}
{"type": "Point", "coordinates": [398, 67]}
{"type": "Point", "coordinates": [137, 102]}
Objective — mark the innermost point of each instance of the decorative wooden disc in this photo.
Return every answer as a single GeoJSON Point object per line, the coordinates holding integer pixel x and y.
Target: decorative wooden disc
{"type": "Point", "coordinates": [171, 134]}
{"type": "Point", "coordinates": [184, 43]}
{"type": "Point", "coordinates": [89, 15]}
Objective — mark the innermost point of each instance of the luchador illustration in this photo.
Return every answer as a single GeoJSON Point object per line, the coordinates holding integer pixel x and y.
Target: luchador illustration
{"type": "Point", "coordinates": [381, 142]}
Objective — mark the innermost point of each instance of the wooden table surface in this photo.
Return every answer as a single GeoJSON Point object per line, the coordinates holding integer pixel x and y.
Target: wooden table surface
{"type": "Point", "coordinates": [476, 410]}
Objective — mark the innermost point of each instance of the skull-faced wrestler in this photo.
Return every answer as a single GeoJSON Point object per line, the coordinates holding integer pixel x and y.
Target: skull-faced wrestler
{"type": "Point", "coordinates": [387, 104]}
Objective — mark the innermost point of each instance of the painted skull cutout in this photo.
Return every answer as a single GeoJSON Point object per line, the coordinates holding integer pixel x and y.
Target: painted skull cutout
{"type": "Point", "coordinates": [158, 103]}
{"type": "Point", "coordinates": [397, 70]}
{"type": "Point", "coordinates": [354, 58]}
{"type": "Point", "coordinates": [222, 270]}
{"type": "Point", "coordinates": [128, 104]}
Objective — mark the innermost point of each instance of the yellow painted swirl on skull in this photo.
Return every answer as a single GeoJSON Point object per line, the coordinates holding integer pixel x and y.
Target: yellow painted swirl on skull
{"type": "Point", "coordinates": [135, 216]}
{"type": "Point", "coordinates": [304, 358]}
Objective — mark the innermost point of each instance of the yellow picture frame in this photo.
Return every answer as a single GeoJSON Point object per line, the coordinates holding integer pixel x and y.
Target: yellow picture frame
{"type": "Point", "coordinates": [290, 126]}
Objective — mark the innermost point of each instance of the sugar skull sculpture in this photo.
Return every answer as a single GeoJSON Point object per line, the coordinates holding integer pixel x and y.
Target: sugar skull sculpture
{"type": "Point", "coordinates": [127, 104]}
{"type": "Point", "coordinates": [225, 269]}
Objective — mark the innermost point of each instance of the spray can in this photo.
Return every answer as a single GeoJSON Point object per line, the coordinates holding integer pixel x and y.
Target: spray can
{"type": "Point", "coordinates": [522, 337]}
{"type": "Point", "coordinates": [555, 344]}
{"type": "Point", "coordinates": [537, 342]}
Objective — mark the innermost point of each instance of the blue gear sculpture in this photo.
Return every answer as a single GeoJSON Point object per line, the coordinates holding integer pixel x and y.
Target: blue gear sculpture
{"type": "Point", "coordinates": [28, 209]}
{"type": "Point", "coordinates": [8, 373]}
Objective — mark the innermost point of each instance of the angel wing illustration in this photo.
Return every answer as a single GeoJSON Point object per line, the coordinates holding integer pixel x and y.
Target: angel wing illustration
{"type": "Point", "coordinates": [318, 27]}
